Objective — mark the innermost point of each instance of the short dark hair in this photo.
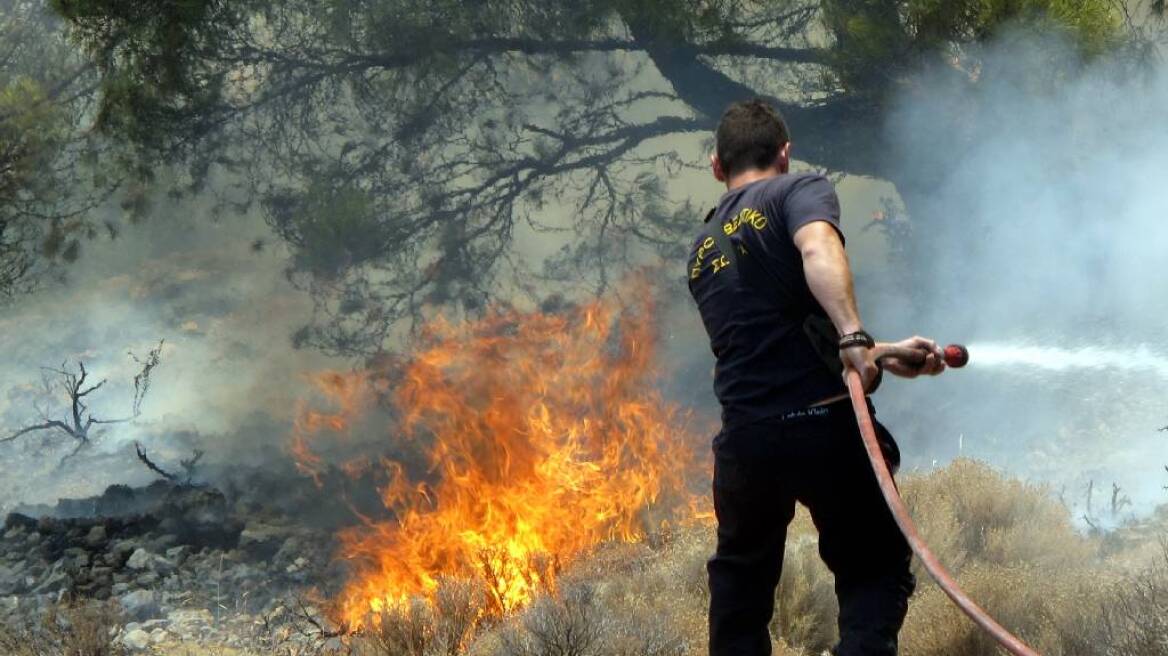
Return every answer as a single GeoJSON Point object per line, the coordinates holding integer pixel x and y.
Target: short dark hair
{"type": "Point", "coordinates": [750, 135]}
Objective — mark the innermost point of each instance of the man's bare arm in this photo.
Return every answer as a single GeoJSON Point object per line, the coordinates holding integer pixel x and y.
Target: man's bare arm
{"type": "Point", "coordinates": [825, 265]}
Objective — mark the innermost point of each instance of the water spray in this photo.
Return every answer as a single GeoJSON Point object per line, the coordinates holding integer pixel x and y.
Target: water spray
{"type": "Point", "coordinates": [955, 356]}
{"type": "Point", "coordinates": [1135, 359]}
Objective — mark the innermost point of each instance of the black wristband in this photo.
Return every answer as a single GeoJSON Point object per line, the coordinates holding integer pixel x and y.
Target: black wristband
{"type": "Point", "coordinates": [858, 338]}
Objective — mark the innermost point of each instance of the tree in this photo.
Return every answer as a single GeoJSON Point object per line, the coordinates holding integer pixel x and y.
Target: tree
{"type": "Point", "coordinates": [75, 388]}
{"type": "Point", "coordinates": [398, 145]}
{"type": "Point", "coordinates": [54, 172]}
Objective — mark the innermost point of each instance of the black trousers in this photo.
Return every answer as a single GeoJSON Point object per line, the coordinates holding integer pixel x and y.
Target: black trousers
{"type": "Point", "coordinates": [815, 457]}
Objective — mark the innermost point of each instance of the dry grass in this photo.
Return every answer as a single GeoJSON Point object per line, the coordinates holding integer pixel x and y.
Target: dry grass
{"type": "Point", "coordinates": [1015, 551]}
{"type": "Point", "coordinates": [968, 513]}
{"type": "Point", "coordinates": [1012, 545]}
{"type": "Point", "coordinates": [65, 630]}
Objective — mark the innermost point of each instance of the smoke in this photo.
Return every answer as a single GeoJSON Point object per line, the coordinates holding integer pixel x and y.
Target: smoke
{"type": "Point", "coordinates": [228, 377]}
{"type": "Point", "coordinates": [1036, 190]}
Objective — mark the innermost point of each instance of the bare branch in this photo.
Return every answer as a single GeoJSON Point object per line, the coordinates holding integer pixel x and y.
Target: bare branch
{"type": "Point", "coordinates": [91, 389]}
{"type": "Point", "coordinates": [150, 463]}
{"type": "Point", "coordinates": [94, 420]}
{"type": "Point", "coordinates": [142, 379]}
{"type": "Point", "coordinates": [81, 444]}
{"type": "Point", "coordinates": [45, 426]}
{"type": "Point", "coordinates": [190, 464]}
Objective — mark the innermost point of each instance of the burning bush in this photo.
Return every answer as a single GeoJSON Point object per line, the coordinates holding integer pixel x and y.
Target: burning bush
{"type": "Point", "coordinates": [541, 436]}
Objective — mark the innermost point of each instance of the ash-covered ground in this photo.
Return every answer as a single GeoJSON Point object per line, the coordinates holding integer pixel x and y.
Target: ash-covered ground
{"type": "Point", "coordinates": [176, 563]}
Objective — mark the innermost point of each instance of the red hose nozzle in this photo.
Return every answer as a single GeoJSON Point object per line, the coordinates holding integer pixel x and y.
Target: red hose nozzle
{"type": "Point", "coordinates": [956, 355]}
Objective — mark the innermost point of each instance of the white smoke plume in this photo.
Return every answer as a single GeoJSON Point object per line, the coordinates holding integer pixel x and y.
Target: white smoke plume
{"type": "Point", "coordinates": [1041, 239]}
{"type": "Point", "coordinates": [228, 376]}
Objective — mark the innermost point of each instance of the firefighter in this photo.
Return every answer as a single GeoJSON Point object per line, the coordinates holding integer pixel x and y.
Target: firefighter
{"type": "Point", "coordinates": [774, 289]}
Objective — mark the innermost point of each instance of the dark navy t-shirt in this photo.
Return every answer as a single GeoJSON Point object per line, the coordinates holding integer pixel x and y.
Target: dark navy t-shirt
{"type": "Point", "coordinates": [766, 363]}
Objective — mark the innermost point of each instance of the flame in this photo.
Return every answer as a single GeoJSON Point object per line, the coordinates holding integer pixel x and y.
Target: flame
{"type": "Point", "coordinates": [543, 435]}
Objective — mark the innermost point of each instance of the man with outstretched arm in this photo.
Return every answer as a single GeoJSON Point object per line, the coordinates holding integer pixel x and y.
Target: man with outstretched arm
{"type": "Point", "coordinates": [774, 289]}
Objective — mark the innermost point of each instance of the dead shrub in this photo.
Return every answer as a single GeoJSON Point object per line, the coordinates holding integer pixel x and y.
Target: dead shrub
{"type": "Point", "coordinates": [83, 629]}
{"type": "Point", "coordinates": [1044, 607]}
{"type": "Point", "coordinates": [805, 608]}
{"type": "Point", "coordinates": [581, 621]}
{"type": "Point", "coordinates": [567, 625]}
{"type": "Point", "coordinates": [1013, 548]}
{"type": "Point", "coordinates": [442, 627]}
{"type": "Point", "coordinates": [969, 512]}
{"type": "Point", "coordinates": [1135, 617]}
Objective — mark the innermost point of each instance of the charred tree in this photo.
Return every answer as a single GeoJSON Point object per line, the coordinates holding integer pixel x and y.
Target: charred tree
{"type": "Point", "coordinates": [189, 465]}
{"type": "Point", "coordinates": [78, 421]}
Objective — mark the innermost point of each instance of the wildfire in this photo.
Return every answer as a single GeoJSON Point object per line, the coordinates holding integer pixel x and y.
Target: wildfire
{"type": "Point", "coordinates": [543, 436]}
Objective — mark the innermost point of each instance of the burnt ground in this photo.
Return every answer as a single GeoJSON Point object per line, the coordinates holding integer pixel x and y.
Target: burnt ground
{"type": "Point", "coordinates": [178, 563]}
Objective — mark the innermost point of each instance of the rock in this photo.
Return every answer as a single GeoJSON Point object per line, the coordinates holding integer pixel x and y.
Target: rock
{"type": "Point", "coordinates": [152, 566]}
{"type": "Point", "coordinates": [158, 636]}
{"type": "Point", "coordinates": [164, 542]}
{"type": "Point", "coordinates": [242, 572]}
{"type": "Point", "coordinates": [96, 536]}
{"type": "Point", "coordinates": [48, 525]}
{"type": "Point", "coordinates": [297, 565]}
{"type": "Point", "coordinates": [137, 640]}
{"type": "Point", "coordinates": [15, 520]}
{"type": "Point", "coordinates": [9, 580]}
{"type": "Point", "coordinates": [190, 623]}
{"type": "Point", "coordinates": [161, 566]}
{"type": "Point", "coordinates": [75, 558]}
{"type": "Point", "coordinates": [150, 625]}
{"type": "Point", "coordinates": [190, 616]}
{"type": "Point", "coordinates": [288, 551]}
{"type": "Point", "coordinates": [178, 554]}
{"type": "Point", "coordinates": [140, 604]}
{"type": "Point", "coordinates": [140, 559]}
{"type": "Point", "coordinates": [260, 541]}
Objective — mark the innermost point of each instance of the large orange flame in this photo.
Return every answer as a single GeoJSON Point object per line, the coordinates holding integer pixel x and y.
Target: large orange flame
{"type": "Point", "coordinates": [544, 435]}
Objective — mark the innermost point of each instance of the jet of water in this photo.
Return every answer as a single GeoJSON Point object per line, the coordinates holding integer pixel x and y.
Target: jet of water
{"type": "Point", "coordinates": [1140, 358]}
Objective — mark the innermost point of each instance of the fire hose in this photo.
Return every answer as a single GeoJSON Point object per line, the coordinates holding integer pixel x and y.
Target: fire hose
{"type": "Point", "coordinates": [955, 356]}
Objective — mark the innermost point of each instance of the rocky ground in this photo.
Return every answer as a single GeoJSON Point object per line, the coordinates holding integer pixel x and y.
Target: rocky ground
{"type": "Point", "coordinates": [178, 564]}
